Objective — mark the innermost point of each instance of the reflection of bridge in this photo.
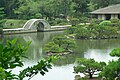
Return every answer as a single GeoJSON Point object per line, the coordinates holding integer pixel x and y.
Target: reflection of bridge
{"type": "Point", "coordinates": [34, 25]}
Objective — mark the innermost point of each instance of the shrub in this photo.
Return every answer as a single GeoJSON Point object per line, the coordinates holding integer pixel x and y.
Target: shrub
{"type": "Point", "coordinates": [51, 47]}
{"type": "Point", "coordinates": [74, 21]}
{"type": "Point", "coordinates": [60, 44]}
{"type": "Point", "coordinates": [38, 16]}
{"type": "Point", "coordinates": [96, 21]}
{"type": "Point", "coordinates": [105, 23]}
{"type": "Point", "coordinates": [112, 70]}
{"type": "Point", "coordinates": [114, 20]}
{"type": "Point", "coordinates": [88, 66]}
{"type": "Point", "coordinates": [82, 33]}
{"type": "Point", "coordinates": [71, 30]}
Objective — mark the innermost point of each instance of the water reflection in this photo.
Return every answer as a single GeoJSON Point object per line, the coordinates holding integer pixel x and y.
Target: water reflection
{"type": "Point", "coordinates": [99, 55]}
{"type": "Point", "coordinates": [63, 68]}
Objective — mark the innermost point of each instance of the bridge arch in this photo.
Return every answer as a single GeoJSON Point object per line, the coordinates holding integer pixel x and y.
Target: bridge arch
{"type": "Point", "coordinates": [37, 24]}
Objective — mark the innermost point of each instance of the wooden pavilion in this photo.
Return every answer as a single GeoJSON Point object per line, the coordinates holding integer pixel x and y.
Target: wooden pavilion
{"type": "Point", "coordinates": [110, 12]}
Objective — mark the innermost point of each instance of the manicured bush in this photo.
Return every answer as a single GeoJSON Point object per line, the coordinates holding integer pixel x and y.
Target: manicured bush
{"type": "Point", "coordinates": [114, 20]}
{"type": "Point", "coordinates": [105, 23]}
{"type": "Point", "coordinates": [51, 47]}
{"type": "Point", "coordinates": [74, 21]}
{"type": "Point", "coordinates": [103, 30]}
{"type": "Point", "coordinates": [97, 21]}
{"type": "Point", "coordinates": [60, 44]}
{"type": "Point", "coordinates": [58, 21]}
{"type": "Point", "coordinates": [82, 33]}
{"type": "Point", "coordinates": [88, 66]}
{"type": "Point", "coordinates": [71, 30]}
{"type": "Point", "coordinates": [112, 70]}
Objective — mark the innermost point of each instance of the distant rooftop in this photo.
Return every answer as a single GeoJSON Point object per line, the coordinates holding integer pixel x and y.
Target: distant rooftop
{"type": "Point", "coordinates": [114, 9]}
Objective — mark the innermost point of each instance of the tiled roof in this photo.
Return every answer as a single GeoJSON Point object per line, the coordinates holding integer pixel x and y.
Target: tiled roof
{"type": "Point", "coordinates": [114, 9]}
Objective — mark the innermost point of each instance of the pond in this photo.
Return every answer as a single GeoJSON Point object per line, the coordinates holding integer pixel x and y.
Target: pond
{"type": "Point", "coordinates": [63, 68]}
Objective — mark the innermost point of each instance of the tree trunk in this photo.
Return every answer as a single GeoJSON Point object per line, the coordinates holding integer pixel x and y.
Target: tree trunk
{"type": "Point", "coordinates": [90, 75]}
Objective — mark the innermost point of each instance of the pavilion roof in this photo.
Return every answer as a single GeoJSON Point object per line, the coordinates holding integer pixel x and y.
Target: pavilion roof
{"type": "Point", "coordinates": [113, 9]}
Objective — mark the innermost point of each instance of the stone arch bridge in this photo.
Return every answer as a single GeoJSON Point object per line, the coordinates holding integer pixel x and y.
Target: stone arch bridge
{"type": "Point", "coordinates": [34, 25]}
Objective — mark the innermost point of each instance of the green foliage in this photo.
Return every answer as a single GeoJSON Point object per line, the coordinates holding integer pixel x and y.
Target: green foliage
{"type": "Point", "coordinates": [2, 23]}
{"type": "Point", "coordinates": [105, 23]}
{"type": "Point", "coordinates": [60, 44]}
{"type": "Point", "coordinates": [59, 40]}
{"type": "Point", "coordinates": [68, 44]}
{"type": "Point", "coordinates": [105, 31]}
{"type": "Point", "coordinates": [84, 20]}
{"type": "Point", "coordinates": [88, 66]}
{"type": "Point", "coordinates": [11, 23]}
{"type": "Point", "coordinates": [104, 3]}
{"type": "Point", "coordinates": [38, 15]}
{"type": "Point", "coordinates": [115, 52]}
{"type": "Point", "coordinates": [82, 33]}
{"type": "Point", "coordinates": [95, 21]}
{"type": "Point", "coordinates": [2, 15]}
{"type": "Point", "coordinates": [114, 20]}
{"type": "Point", "coordinates": [102, 30]}
{"type": "Point", "coordinates": [64, 42]}
{"type": "Point", "coordinates": [10, 58]}
{"type": "Point", "coordinates": [2, 73]}
{"type": "Point", "coordinates": [41, 67]}
{"type": "Point", "coordinates": [46, 8]}
{"type": "Point", "coordinates": [81, 6]}
{"type": "Point", "coordinates": [26, 9]}
{"type": "Point", "coordinates": [112, 70]}
{"type": "Point", "coordinates": [70, 30]}
{"type": "Point", "coordinates": [115, 23]}
{"type": "Point", "coordinates": [74, 21]}
{"type": "Point", "coordinates": [1, 20]}
{"type": "Point", "coordinates": [29, 8]}
{"type": "Point", "coordinates": [10, 54]}
{"type": "Point", "coordinates": [52, 47]}
{"type": "Point", "coordinates": [58, 21]}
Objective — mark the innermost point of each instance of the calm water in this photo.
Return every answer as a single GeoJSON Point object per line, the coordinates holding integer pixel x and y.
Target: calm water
{"type": "Point", "coordinates": [63, 68]}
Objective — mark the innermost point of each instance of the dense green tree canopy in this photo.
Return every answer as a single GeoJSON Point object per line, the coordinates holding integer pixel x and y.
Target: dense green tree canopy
{"type": "Point", "coordinates": [26, 9]}
{"type": "Point", "coordinates": [81, 6]}
{"type": "Point", "coordinates": [104, 3]}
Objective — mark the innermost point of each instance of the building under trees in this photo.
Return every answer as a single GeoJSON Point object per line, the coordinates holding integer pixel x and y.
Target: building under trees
{"type": "Point", "coordinates": [110, 12]}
